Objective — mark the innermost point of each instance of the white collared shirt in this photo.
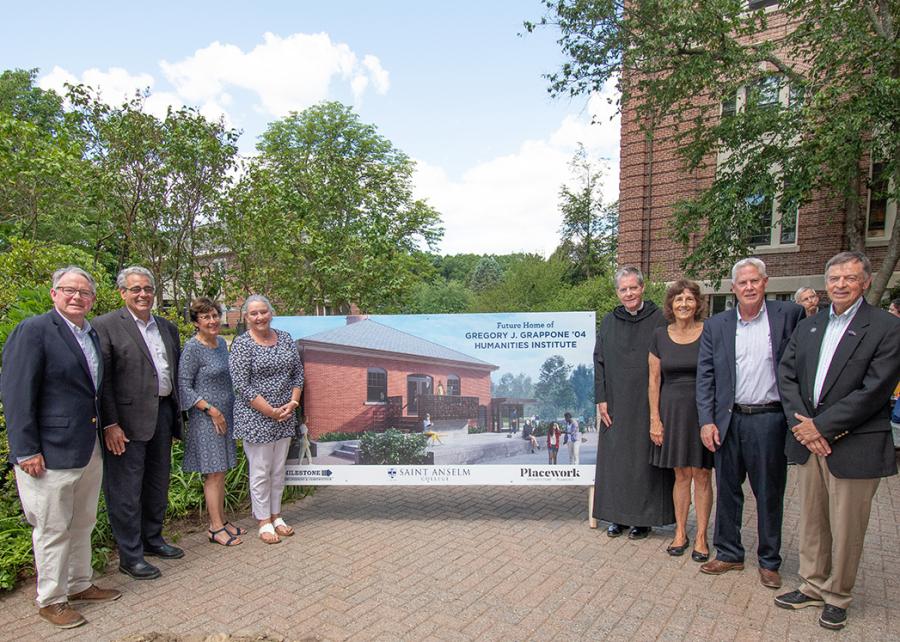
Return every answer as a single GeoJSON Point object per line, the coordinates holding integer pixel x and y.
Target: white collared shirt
{"type": "Point", "coordinates": [755, 381]}
{"type": "Point", "coordinates": [154, 342]}
{"type": "Point", "coordinates": [834, 332]}
{"type": "Point", "coordinates": [83, 337]}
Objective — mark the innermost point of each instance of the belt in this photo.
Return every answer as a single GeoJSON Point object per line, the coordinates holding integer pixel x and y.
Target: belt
{"type": "Point", "coordinates": [757, 408]}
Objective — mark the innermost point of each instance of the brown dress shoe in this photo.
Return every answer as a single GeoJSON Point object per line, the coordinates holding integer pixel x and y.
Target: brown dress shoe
{"type": "Point", "coordinates": [95, 594]}
{"type": "Point", "coordinates": [769, 579]}
{"type": "Point", "coordinates": [61, 615]}
{"type": "Point", "coordinates": [717, 567]}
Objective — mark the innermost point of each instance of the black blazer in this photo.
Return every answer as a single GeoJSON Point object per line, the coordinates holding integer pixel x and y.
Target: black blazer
{"type": "Point", "coordinates": [131, 396]}
{"type": "Point", "coordinates": [49, 398]}
{"type": "Point", "coordinates": [716, 364]}
{"type": "Point", "coordinates": [854, 409]}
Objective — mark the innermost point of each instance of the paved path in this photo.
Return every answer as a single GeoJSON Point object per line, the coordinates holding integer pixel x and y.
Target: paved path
{"type": "Point", "coordinates": [458, 563]}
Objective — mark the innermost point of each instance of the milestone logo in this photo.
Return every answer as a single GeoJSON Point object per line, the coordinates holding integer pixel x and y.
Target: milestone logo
{"type": "Point", "coordinates": [430, 474]}
{"type": "Point", "coordinates": [299, 472]}
{"type": "Point", "coordinates": [556, 473]}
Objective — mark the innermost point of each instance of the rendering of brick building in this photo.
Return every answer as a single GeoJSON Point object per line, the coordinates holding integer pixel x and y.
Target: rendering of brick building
{"type": "Point", "coordinates": [368, 376]}
{"type": "Point", "coordinates": [653, 179]}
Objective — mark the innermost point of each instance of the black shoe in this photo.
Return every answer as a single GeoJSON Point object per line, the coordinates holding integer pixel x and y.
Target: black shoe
{"type": "Point", "coordinates": [697, 556]}
{"type": "Point", "coordinates": [833, 617]}
{"type": "Point", "coordinates": [615, 530]}
{"type": "Point", "coordinates": [166, 551]}
{"type": "Point", "coordinates": [678, 551]}
{"type": "Point", "coordinates": [140, 570]}
{"type": "Point", "coordinates": [638, 532]}
{"type": "Point", "coordinates": [797, 600]}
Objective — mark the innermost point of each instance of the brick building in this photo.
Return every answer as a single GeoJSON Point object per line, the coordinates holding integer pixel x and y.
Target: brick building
{"type": "Point", "coordinates": [368, 376]}
{"type": "Point", "coordinates": [653, 178]}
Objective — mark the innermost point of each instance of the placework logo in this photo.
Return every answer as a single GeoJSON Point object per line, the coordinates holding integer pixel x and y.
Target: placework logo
{"type": "Point", "coordinates": [554, 473]}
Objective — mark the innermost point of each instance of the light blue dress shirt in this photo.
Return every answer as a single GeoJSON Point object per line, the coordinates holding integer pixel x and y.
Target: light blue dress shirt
{"type": "Point", "coordinates": [834, 332]}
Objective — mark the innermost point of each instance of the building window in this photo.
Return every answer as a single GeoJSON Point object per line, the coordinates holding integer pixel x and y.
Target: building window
{"type": "Point", "coordinates": [881, 211]}
{"type": "Point", "coordinates": [720, 303]}
{"type": "Point", "coordinates": [753, 5]}
{"type": "Point", "coordinates": [729, 106]}
{"type": "Point", "coordinates": [376, 386]}
{"type": "Point", "coordinates": [774, 228]}
{"type": "Point", "coordinates": [765, 93]}
{"type": "Point", "coordinates": [453, 387]}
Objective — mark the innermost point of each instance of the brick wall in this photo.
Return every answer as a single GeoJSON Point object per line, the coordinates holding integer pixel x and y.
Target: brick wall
{"type": "Point", "coordinates": [335, 390]}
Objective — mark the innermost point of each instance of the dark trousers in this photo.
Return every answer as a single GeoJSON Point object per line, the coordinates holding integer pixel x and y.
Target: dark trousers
{"type": "Point", "coordinates": [136, 487]}
{"type": "Point", "coordinates": [754, 448]}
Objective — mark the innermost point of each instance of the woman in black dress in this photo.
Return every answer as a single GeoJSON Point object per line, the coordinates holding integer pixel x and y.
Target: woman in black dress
{"type": "Point", "coordinates": [674, 427]}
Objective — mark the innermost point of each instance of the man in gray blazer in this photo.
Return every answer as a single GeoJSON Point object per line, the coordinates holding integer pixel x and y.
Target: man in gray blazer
{"type": "Point", "coordinates": [140, 418]}
{"type": "Point", "coordinates": [836, 379]}
{"type": "Point", "coordinates": [52, 373]}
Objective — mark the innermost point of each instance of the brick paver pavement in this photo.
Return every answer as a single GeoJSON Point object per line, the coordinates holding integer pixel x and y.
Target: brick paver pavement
{"type": "Point", "coordinates": [477, 563]}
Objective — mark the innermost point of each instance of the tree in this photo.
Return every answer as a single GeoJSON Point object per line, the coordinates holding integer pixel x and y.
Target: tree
{"type": "Point", "coordinates": [438, 297]}
{"type": "Point", "coordinates": [529, 285]}
{"type": "Point", "coordinates": [333, 203]}
{"type": "Point", "coordinates": [582, 383]}
{"type": "Point", "coordinates": [674, 60]}
{"type": "Point", "coordinates": [514, 386]}
{"type": "Point", "coordinates": [590, 227]}
{"type": "Point", "coordinates": [553, 392]}
{"type": "Point", "coordinates": [486, 274]}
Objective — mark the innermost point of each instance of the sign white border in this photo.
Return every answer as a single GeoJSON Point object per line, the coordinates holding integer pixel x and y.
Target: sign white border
{"type": "Point", "coordinates": [448, 475]}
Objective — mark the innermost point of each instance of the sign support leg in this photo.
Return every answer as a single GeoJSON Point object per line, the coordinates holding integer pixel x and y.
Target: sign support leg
{"type": "Point", "coordinates": [592, 522]}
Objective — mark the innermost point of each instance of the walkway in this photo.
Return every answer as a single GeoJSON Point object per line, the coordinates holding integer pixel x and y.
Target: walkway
{"type": "Point", "coordinates": [470, 564]}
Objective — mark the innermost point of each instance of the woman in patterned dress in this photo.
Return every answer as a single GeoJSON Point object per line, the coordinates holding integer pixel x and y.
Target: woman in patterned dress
{"type": "Point", "coordinates": [206, 392]}
{"type": "Point", "coordinates": [268, 379]}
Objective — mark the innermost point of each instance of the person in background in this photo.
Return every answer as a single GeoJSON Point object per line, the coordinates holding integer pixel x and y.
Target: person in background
{"type": "Point", "coordinates": [894, 307]}
{"type": "Point", "coordinates": [268, 378]}
{"type": "Point", "coordinates": [628, 489]}
{"type": "Point", "coordinates": [207, 394]}
{"type": "Point", "coordinates": [141, 416]}
{"type": "Point", "coordinates": [741, 418]}
{"type": "Point", "coordinates": [303, 432]}
{"type": "Point", "coordinates": [674, 427]}
{"type": "Point", "coordinates": [53, 373]}
{"type": "Point", "coordinates": [808, 299]}
{"type": "Point", "coordinates": [573, 437]}
{"type": "Point", "coordinates": [835, 377]}
{"type": "Point", "coordinates": [554, 437]}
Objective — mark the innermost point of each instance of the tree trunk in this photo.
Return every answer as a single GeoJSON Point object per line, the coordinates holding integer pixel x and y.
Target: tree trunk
{"type": "Point", "coordinates": [883, 276]}
{"type": "Point", "coordinates": [854, 217]}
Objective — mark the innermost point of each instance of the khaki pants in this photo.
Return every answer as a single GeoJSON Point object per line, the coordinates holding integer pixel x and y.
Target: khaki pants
{"type": "Point", "coordinates": [834, 516]}
{"type": "Point", "coordinates": [61, 505]}
{"type": "Point", "coordinates": [266, 463]}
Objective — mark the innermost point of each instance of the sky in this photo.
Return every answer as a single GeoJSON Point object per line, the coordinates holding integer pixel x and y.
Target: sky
{"type": "Point", "coordinates": [458, 87]}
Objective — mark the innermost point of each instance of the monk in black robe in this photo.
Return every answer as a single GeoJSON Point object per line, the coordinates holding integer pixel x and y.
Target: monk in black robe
{"type": "Point", "coordinates": [629, 491]}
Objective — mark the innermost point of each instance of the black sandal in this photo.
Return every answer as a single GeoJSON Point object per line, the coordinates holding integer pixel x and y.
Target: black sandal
{"type": "Point", "coordinates": [237, 532]}
{"type": "Point", "coordinates": [231, 541]}
{"type": "Point", "coordinates": [678, 551]}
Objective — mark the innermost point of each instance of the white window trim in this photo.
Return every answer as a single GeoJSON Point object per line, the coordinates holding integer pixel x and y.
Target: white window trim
{"type": "Point", "coordinates": [890, 216]}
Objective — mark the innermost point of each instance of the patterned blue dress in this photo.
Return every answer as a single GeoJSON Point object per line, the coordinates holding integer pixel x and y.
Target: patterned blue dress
{"type": "Point", "coordinates": [203, 374]}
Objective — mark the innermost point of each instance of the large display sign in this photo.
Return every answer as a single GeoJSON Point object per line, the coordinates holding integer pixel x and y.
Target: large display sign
{"type": "Point", "coordinates": [445, 399]}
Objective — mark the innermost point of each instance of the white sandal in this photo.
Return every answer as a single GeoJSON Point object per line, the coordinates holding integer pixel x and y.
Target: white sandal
{"type": "Point", "coordinates": [268, 529]}
{"type": "Point", "coordinates": [279, 523]}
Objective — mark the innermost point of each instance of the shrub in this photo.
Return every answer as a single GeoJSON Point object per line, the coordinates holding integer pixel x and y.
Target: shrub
{"type": "Point", "coordinates": [392, 447]}
{"type": "Point", "coordinates": [339, 436]}
{"type": "Point", "coordinates": [475, 430]}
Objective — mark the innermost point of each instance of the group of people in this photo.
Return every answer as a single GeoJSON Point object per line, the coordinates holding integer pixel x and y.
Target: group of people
{"type": "Point", "coordinates": [91, 404]}
{"type": "Point", "coordinates": [747, 392]}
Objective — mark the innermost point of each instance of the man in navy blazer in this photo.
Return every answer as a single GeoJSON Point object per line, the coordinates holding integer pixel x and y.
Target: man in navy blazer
{"type": "Point", "coordinates": [741, 417]}
{"type": "Point", "coordinates": [836, 379]}
{"type": "Point", "coordinates": [52, 374]}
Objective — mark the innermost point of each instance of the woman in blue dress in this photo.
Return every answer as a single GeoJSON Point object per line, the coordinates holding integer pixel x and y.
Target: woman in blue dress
{"type": "Point", "coordinates": [206, 392]}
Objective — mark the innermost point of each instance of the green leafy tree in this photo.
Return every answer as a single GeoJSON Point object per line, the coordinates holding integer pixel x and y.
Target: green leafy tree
{"type": "Point", "coordinates": [675, 60]}
{"type": "Point", "coordinates": [439, 297]}
{"type": "Point", "coordinates": [530, 284]}
{"type": "Point", "coordinates": [335, 209]}
{"type": "Point", "coordinates": [486, 274]}
{"type": "Point", "coordinates": [582, 383]}
{"type": "Point", "coordinates": [517, 386]}
{"type": "Point", "coordinates": [553, 391]}
{"type": "Point", "coordinates": [590, 227]}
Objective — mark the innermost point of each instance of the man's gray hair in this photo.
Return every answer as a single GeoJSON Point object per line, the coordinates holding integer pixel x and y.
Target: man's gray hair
{"type": "Point", "coordinates": [748, 262]}
{"type": "Point", "coordinates": [629, 270]}
{"type": "Point", "coordinates": [74, 269]}
{"type": "Point", "coordinates": [800, 291]}
{"type": "Point", "coordinates": [849, 257]}
{"type": "Point", "coordinates": [256, 298]}
{"type": "Point", "coordinates": [122, 278]}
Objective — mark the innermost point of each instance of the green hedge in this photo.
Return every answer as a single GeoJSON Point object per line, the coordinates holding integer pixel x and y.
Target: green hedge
{"type": "Point", "coordinates": [392, 447]}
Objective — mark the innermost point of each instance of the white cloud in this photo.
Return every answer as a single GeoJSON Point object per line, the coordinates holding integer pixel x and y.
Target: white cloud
{"type": "Point", "coordinates": [511, 203]}
{"type": "Point", "coordinates": [286, 74]}
{"type": "Point", "coordinates": [282, 74]}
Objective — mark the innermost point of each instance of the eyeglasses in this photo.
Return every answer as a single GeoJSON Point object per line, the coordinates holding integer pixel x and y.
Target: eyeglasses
{"type": "Point", "coordinates": [147, 289]}
{"type": "Point", "coordinates": [211, 316]}
{"type": "Point", "coordinates": [70, 292]}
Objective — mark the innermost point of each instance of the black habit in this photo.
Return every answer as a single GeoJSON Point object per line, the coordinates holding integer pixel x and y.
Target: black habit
{"type": "Point", "coordinates": [628, 489]}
